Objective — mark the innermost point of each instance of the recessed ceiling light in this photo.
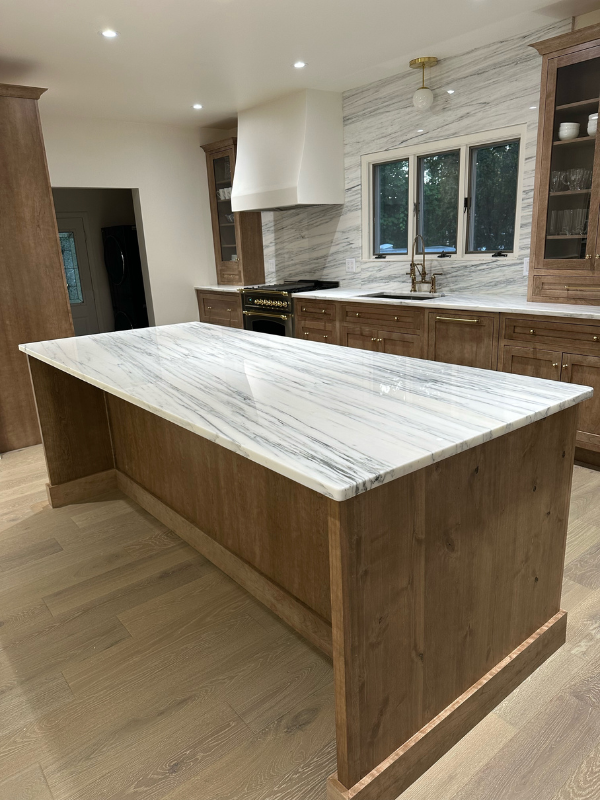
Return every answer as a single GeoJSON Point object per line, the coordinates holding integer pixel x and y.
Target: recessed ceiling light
{"type": "Point", "coordinates": [531, 108]}
{"type": "Point", "coordinates": [300, 64]}
{"type": "Point", "coordinates": [109, 33]}
{"type": "Point", "coordinates": [450, 91]}
{"type": "Point", "coordinates": [197, 106]}
{"type": "Point", "coordinates": [420, 130]}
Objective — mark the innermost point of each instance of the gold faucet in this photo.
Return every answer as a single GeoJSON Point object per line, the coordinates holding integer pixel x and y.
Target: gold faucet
{"type": "Point", "coordinates": [414, 266]}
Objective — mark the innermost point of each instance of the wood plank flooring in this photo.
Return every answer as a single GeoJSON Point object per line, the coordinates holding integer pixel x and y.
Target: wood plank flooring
{"type": "Point", "coordinates": [130, 667]}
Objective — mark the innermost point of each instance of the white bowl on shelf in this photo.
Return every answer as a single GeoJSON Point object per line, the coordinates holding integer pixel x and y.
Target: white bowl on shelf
{"type": "Point", "coordinates": [568, 130]}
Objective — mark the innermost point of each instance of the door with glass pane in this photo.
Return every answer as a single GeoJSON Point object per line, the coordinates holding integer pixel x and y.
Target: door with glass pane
{"type": "Point", "coordinates": [566, 219]}
{"type": "Point", "coordinates": [73, 245]}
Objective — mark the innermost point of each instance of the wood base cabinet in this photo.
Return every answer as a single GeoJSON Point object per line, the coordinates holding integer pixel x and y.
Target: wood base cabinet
{"type": "Point", "coordinates": [393, 342]}
{"type": "Point", "coordinates": [465, 338]}
{"type": "Point", "coordinates": [559, 363]}
{"type": "Point", "coordinates": [220, 308]}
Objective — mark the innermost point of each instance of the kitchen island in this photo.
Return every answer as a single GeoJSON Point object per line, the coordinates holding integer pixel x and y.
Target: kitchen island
{"type": "Point", "coordinates": [406, 517]}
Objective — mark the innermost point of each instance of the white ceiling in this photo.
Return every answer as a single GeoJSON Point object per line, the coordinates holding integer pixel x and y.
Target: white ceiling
{"type": "Point", "coordinates": [231, 54]}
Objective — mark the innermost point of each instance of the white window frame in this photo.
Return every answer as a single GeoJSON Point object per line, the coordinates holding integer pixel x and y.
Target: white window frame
{"type": "Point", "coordinates": [412, 152]}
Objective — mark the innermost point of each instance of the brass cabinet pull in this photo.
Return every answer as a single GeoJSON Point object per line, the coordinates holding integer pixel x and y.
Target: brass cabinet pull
{"type": "Point", "coordinates": [584, 288]}
{"type": "Point", "coordinates": [229, 310]}
{"type": "Point", "coordinates": [589, 255]}
{"type": "Point", "coordinates": [532, 332]}
{"type": "Point", "coordinates": [458, 319]}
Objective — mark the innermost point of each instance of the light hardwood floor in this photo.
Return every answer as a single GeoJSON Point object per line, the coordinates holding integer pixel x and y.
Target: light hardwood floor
{"type": "Point", "coordinates": [130, 667]}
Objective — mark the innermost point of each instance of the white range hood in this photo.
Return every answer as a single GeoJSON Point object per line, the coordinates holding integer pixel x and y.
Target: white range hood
{"type": "Point", "coordinates": [290, 153]}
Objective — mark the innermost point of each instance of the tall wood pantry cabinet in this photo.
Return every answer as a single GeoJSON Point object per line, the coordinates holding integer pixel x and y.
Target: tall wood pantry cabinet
{"type": "Point", "coordinates": [565, 243]}
{"type": "Point", "coordinates": [34, 303]}
{"type": "Point", "coordinates": [237, 236]}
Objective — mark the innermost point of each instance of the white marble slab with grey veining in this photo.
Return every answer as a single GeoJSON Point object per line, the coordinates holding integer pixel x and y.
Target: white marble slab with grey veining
{"type": "Point", "coordinates": [511, 304]}
{"type": "Point", "coordinates": [338, 420]}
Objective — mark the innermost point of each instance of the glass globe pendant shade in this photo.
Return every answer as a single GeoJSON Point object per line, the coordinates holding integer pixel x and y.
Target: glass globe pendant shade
{"type": "Point", "coordinates": [423, 98]}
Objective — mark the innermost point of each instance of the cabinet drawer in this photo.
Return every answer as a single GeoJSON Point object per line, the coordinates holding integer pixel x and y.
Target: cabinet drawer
{"type": "Point", "coordinates": [391, 317]}
{"type": "Point", "coordinates": [544, 332]}
{"type": "Point", "coordinates": [567, 289]}
{"type": "Point", "coordinates": [315, 330]}
{"type": "Point", "coordinates": [230, 275]}
{"type": "Point", "coordinates": [314, 308]}
{"type": "Point", "coordinates": [220, 308]}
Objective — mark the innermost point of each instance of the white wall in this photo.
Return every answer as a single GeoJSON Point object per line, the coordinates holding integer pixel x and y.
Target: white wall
{"type": "Point", "coordinates": [168, 168]}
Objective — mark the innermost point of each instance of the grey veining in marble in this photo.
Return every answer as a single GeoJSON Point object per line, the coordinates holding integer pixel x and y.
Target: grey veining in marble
{"type": "Point", "coordinates": [338, 420]}
{"type": "Point", "coordinates": [473, 302]}
{"type": "Point", "coordinates": [495, 86]}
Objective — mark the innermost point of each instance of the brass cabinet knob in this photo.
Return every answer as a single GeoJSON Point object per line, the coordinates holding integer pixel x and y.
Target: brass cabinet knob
{"type": "Point", "coordinates": [596, 338]}
{"type": "Point", "coordinates": [589, 255]}
{"type": "Point", "coordinates": [323, 310]}
{"type": "Point", "coordinates": [373, 338]}
{"type": "Point", "coordinates": [325, 336]}
{"type": "Point", "coordinates": [532, 332]}
{"type": "Point", "coordinates": [306, 333]}
{"type": "Point", "coordinates": [357, 315]}
{"type": "Point", "coordinates": [208, 308]}
{"type": "Point", "coordinates": [229, 309]}
{"type": "Point", "coordinates": [555, 365]}
{"type": "Point", "coordinates": [597, 255]}
{"type": "Point", "coordinates": [565, 366]}
{"type": "Point", "coordinates": [396, 318]}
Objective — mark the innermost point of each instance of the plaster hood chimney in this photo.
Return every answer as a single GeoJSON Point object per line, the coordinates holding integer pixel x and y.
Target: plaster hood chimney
{"type": "Point", "coordinates": [290, 153]}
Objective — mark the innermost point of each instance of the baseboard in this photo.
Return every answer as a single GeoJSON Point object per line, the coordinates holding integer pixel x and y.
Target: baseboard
{"type": "Point", "coordinates": [81, 489]}
{"type": "Point", "coordinates": [303, 619]}
{"type": "Point", "coordinates": [403, 767]}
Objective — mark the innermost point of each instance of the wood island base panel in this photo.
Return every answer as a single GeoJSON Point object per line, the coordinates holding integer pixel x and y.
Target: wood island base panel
{"type": "Point", "coordinates": [436, 592]}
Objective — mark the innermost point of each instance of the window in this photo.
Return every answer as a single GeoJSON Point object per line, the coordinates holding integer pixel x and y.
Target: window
{"type": "Point", "coordinates": [69, 254]}
{"type": "Point", "coordinates": [492, 198]}
{"type": "Point", "coordinates": [462, 196]}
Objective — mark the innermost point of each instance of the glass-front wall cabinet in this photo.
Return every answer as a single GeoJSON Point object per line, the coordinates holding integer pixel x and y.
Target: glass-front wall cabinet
{"type": "Point", "coordinates": [237, 236]}
{"type": "Point", "coordinates": [571, 220]}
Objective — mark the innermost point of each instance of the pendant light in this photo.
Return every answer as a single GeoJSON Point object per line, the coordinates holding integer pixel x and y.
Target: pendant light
{"type": "Point", "coordinates": [423, 97]}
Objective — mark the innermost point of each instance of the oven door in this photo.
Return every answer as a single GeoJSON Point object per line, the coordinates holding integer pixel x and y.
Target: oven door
{"type": "Point", "coordinates": [268, 322]}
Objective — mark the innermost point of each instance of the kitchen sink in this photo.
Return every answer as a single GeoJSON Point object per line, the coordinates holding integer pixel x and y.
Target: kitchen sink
{"type": "Point", "coordinates": [407, 296]}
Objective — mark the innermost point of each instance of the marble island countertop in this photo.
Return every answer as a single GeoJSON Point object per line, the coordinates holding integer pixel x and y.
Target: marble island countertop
{"type": "Point", "coordinates": [338, 420]}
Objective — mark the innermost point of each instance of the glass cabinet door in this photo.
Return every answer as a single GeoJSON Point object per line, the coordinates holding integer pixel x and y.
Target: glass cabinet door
{"type": "Point", "coordinates": [222, 173]}
{"type": "Point", "coordinates": [573, 183]}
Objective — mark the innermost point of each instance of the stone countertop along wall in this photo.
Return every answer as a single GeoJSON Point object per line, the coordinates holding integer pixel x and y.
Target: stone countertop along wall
{"type": "Point", "coordinates": [495, 86]}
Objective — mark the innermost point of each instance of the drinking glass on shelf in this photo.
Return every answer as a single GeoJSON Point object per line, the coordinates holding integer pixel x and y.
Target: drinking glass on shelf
{"type": "Point", "coordinates": [553, 223]}
{"type": "Point", "coordinates": [587, 179]}
{"type": "Point", "coordinates": [575, 179]}
{"type": "Point", "coordinates": [557, 180]}
{"type": "Point", "coordinates": [565, 223]}
{"type": "Point", "coordinates": [579, 221]}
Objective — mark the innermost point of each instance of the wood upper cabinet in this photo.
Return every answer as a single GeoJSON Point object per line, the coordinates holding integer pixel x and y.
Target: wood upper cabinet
{"type": "Point", "coordinates": [585, 370]}
{"type": "Point", "coordinates": [565, 244]}
{"type": "Point", "coordinates": [463, 337]}
{"type": "Point", "coordinates": [220, 308]}
{"type": "Point", "coordinates": [237, 236]}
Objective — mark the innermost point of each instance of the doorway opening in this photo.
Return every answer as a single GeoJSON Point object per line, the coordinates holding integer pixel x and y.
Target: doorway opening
{"type": "Point", "coordinates": [104, 259]}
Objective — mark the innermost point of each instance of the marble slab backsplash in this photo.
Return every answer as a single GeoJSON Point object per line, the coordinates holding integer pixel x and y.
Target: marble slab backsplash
{"type": "Point", "coordinates": [495, 86]}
